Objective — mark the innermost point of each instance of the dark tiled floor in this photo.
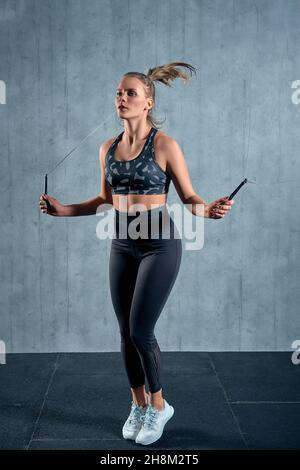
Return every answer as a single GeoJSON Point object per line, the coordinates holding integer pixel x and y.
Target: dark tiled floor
{"type": "Point", "coordinates": [81, 400]}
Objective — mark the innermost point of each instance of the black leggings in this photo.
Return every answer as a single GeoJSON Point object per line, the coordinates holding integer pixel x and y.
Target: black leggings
{"type": "Point", "coordinates": [142, 273]}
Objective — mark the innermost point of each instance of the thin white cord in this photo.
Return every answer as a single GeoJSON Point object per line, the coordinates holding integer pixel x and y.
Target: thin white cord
{"type": "Point", "coordinates": [76, 147]}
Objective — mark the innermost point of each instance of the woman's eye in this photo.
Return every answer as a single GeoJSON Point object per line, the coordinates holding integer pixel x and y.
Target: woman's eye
{"type": "Point", "coordinates": [118, 93]}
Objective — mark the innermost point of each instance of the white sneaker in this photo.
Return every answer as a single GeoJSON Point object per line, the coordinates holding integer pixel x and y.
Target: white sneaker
{"type": "Point", "coordinates": [154, 423]}
{"type": "Point", "coordinates": [134, 421]}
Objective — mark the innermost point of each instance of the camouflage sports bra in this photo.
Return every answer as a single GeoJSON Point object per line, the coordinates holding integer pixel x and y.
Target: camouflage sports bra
{"type": "Point", "coordinates": [141, 175]}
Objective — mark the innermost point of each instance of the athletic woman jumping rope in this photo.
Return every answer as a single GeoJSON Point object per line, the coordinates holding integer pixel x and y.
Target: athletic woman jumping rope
{"type": "Point", "coordinates": [137, 167]}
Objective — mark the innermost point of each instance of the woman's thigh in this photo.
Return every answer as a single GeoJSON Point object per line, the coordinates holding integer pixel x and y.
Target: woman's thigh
{"type": "Point", "coordinates": [123, 269]}
{"type": "Point", "coordinates": [156, 276]}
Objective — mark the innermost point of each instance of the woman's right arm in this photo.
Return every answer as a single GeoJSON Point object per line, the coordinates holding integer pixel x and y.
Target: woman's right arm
{"type": "Point", "coordinates": [88, 207]}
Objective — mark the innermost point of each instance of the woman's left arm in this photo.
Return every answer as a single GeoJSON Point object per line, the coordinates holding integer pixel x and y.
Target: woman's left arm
{"type": "Point", "coordinates": [177, 168]}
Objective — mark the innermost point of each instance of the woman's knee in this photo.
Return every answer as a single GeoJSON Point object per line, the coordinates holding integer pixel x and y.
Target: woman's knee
{"type": "Point", "coordinates": [137, 338]}
{"type": "Point", "coordinates": [125, 335]}
{"type": "Point", "coordinates": [143, 341]}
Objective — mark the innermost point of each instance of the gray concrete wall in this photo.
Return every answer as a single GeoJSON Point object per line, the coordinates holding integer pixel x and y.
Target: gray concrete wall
{"type": "Point", "coordinates": [61, 61]}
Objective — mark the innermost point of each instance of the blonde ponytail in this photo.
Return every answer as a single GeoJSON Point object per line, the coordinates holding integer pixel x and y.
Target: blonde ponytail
{"type": "Point", "coordinates": [164, 74]}
{"type": "Point", "coordinates": [167, 72]}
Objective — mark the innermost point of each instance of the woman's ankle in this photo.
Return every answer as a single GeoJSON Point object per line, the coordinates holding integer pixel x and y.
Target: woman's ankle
{"type": "Point", "coordinates": [144, 402]}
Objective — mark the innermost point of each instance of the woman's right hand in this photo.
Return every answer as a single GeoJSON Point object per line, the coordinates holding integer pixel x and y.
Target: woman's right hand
{"type": "Point", "coordinates": [54, 208]}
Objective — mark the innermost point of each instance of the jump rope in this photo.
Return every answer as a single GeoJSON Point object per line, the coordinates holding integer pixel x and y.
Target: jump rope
{"type": "Point", "coordinates": [246, 180]}
{"type": "Point", "coordinates": [71, 151]}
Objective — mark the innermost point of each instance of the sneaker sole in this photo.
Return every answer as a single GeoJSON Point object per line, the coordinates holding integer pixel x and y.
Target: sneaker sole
{"type": "Point", "coordinates": [133, 438]}
{"type": "Point", "coordinates": [165, 422]}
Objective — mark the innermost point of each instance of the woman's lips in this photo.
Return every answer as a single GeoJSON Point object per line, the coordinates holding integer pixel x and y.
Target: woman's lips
{"type": "Point", "coordinates": [122, 108]}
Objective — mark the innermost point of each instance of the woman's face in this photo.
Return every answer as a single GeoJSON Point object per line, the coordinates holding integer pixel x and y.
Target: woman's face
{"type": "Point", "coordinates": [131, 94]}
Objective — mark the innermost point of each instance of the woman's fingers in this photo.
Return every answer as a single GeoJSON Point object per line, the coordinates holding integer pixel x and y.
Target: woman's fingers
{"type": "Point", "coordinates": [221, 209]}
{"type": "Point", "coordinates": [224, 207]}
{"type": "Point", "coordinates": [226, 204]}
{"type": "Point", "coordinates": [42, 204]}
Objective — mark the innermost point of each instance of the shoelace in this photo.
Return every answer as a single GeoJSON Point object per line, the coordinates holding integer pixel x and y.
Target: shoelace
{"type": "Point", "coordinates": [150, 417]}
{"type": "Point", "coordinates": [136, 414]}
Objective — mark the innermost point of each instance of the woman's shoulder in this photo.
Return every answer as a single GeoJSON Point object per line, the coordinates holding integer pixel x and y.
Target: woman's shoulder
{"type": "Point", "coordinates": [106, 144]}
{"type": "Point", "coordinates": [162, 139]}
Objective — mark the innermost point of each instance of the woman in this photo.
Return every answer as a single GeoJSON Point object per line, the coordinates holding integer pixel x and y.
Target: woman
{"type": "Point", "coordinates": [137, 167]}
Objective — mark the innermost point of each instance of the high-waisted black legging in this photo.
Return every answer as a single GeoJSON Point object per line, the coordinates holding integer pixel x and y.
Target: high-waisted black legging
{"type": "Point", "coordinates": [142, 273]}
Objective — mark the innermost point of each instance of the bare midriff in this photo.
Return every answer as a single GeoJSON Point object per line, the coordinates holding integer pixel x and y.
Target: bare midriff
{"type": "Point", "coordinates": [125, 202]}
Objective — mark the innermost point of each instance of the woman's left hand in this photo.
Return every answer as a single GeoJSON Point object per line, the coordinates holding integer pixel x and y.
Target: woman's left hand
{"type": "Point", "coordinates": [218, 208]}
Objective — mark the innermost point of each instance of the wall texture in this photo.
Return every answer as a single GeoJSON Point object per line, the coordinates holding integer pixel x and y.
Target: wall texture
{"type": "Point", "coordinates": [61, 61]}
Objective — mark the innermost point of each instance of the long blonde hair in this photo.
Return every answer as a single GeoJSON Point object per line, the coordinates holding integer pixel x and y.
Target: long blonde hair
{"type": "Point", "coordinates": [164, 74]}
